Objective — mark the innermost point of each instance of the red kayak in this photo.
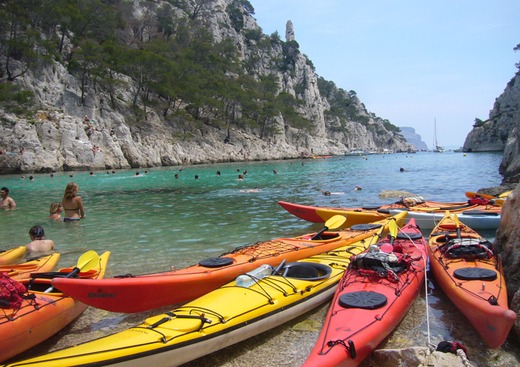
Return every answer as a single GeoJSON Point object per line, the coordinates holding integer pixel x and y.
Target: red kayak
{"type": "Point", "coordinates": [374, 295]}
{"type": "Point", "coordinates": [137, 293]}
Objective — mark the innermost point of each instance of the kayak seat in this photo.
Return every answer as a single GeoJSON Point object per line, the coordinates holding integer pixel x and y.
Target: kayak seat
{"type": "Point", "coordinates": [383, 211]}
{"type": "Point", "coordinates": [475, 274]}
{"type": "Point", "coordinates": [306, 271]}
{"type": "Point", "coordinates": [216, 262]}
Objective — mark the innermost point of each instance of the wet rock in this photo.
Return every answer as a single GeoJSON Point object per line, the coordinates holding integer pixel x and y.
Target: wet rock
{"type": "Point", "coordinates": [415, 356]}
{"type": "Point", "coordinates": [386, 194]}
{"type": "Point", "coordinates": [508, 245]}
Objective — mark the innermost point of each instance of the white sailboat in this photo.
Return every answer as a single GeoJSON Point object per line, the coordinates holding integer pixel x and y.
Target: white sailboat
{"type": "Point", "coordinates": [436, 147]}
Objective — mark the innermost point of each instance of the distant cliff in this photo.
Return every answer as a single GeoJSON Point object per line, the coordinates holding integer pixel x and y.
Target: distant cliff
{"type": "Point", "coordinates": [501, 132]}
{"type": "Point", "coordinates": [413, 138]}
{"type": "Point", "coordinates": [493, 133]}
{"type": "Point", "coordinates": [165, 83]}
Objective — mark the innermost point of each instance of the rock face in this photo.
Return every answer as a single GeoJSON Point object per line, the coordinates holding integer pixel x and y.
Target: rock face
{"type": "Point", "coordinates": [510, 165]}
{"type": "Point", "coordinates": [501, 131]}
{"type": "Point", "coordinates": [58, 137]}
{"type": "Point", "coordinates": [493, 134]}
{"type": "Point", "coordinates": [413, 138]}
{"type": "Point", "coordinates": [508, 244]}
{"type": "Point", "coordinates": [415, 356]}
{"type": "Point", "coordinates": [289, 32]}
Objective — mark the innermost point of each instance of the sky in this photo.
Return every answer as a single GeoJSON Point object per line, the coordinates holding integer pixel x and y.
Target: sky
{"type": "Point", "coordinates": [409, 61]}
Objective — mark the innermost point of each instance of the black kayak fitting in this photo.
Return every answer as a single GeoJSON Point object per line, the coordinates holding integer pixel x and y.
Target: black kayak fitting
{"type": "Point", "coordinates": [475, 274]}
{"type": "Point", "coordinates": [371, 207]}
{"type": "Point", "coordinates": [409, 236]}
{"type": "Point", "coordinates": [363, 299]}
{"type": "Point", "coordinates": [365, 226]}
{"type": "Point", "coordinates": [306, 271]}
{"type": "Point", "coordinates": [216, 262]}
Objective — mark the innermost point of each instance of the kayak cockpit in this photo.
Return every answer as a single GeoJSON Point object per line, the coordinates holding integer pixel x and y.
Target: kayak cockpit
{"type": "Point", "coordinates": [305, 271]}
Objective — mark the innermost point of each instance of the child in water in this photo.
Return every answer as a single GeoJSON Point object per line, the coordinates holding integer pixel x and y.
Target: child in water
{"type": "Point", "coordinates": [55, 211]}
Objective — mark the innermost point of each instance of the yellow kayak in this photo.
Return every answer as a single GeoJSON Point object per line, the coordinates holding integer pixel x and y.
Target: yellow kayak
{"type": "Point", "coordinates": [221, 318]}
{"type": "Point", "coordinates": [22, 272]}
{"type": "Point", "coordinates": [12, 256]}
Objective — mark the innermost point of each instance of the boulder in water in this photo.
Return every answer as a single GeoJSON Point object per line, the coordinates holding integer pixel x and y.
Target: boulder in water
{"type": "Point", "coordinates": [394, 194]}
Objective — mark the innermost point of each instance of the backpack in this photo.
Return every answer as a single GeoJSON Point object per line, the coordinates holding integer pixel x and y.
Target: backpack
{"type": "Point", "coordinates": [478, 200]}
{"type": "Point", "coordinates": [12, 292]}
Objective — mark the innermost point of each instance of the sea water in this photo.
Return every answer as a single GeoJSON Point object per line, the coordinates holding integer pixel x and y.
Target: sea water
{"type": "Point", "coordinates": [154, 221]}
{"type": "Point", "coordinates": [168, 218]}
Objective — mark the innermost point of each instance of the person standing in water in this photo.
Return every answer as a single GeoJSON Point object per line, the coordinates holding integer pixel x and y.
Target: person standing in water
{"type": "Point", "coordinates": [38, 244]}
{"type": "Point", "coordinates": [6, 203]}
{"type": "Point", "coordinates": [72, 203]}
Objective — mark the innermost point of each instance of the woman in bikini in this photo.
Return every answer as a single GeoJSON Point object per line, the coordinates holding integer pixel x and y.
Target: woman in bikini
{"type": "Point", "coordinates": [72, 204]}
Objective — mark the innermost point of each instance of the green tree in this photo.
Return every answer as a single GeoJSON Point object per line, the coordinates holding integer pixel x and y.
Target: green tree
{"type": "Point", "coordinates": [21, 45]}
{"type": "Point", "coordinates": [517, 48]}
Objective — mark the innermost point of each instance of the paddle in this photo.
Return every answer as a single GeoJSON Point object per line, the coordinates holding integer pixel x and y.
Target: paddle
{"type": "Point", "coordinates": [86, 262]}
{"type": "Point", "coordinates": [333, 223]}
{"type": "Point", "coordinates": [279, 267]}
{"type": "Point", "coordinates": [392, 227]}
{"type": "Point", "coordinates": [457, 224]}
{"type": "Point", "coordinates": [505, 194]}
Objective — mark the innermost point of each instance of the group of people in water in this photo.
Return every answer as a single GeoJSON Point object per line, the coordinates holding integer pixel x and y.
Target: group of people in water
{"type": "Point", "coordinates": [71, 205]}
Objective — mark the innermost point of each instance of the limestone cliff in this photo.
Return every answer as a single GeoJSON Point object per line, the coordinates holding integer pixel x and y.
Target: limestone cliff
{"type": "Point", "coordinates": [493, 134]}
{"type": "Point", "coordinates": [501, 131]}
{"type": "Point", "coordinates": [125, 127]}
{"type": "Point", "coordinates": [508, 242]}
{"type": "Point", "coordinates": [413, 138]}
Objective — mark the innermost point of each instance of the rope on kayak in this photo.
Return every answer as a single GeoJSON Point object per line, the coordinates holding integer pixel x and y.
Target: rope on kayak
{"type": "Point", "coordinates": [425, 259]}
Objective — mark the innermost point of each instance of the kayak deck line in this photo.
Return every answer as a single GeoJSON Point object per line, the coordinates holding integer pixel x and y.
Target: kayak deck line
{"type": "Point", "coordinates": [225, 316]}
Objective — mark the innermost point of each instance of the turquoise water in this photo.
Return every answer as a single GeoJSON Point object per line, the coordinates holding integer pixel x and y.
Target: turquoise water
{"type": "Point", "coordinates": [155, 222]}
{"type": "Point", "coordinates": [172, 222]}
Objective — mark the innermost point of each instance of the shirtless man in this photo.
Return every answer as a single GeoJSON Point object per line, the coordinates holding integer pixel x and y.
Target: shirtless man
{"type": "Point", "coordinates": [7, 203]}
{"type": "Point", "coordinates": [38, 242]}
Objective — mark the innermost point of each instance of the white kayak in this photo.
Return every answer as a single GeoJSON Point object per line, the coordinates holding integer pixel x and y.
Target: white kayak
{"type": "Point", "coordinates": [472, 218]}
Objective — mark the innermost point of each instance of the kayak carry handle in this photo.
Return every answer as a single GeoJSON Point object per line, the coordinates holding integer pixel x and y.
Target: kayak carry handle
{"type": "Point", "coordinates": [351, 348]}
{"type": "Point", "coordinates": [170, 315]}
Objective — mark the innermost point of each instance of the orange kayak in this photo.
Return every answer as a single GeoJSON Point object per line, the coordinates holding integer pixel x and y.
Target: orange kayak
{"type": "Point", "coordinates": [42, 314]}
{"type": "Point", "coordinates": [22, 272]}
{"type": "Point", "coordinates": [12, 256]}
{"type": "Point", "coordinates": [137, 293]}
{"type": "Point", "coordinates": [469, 271]}
{"type": "Point", "coordinates": [374, 295]}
